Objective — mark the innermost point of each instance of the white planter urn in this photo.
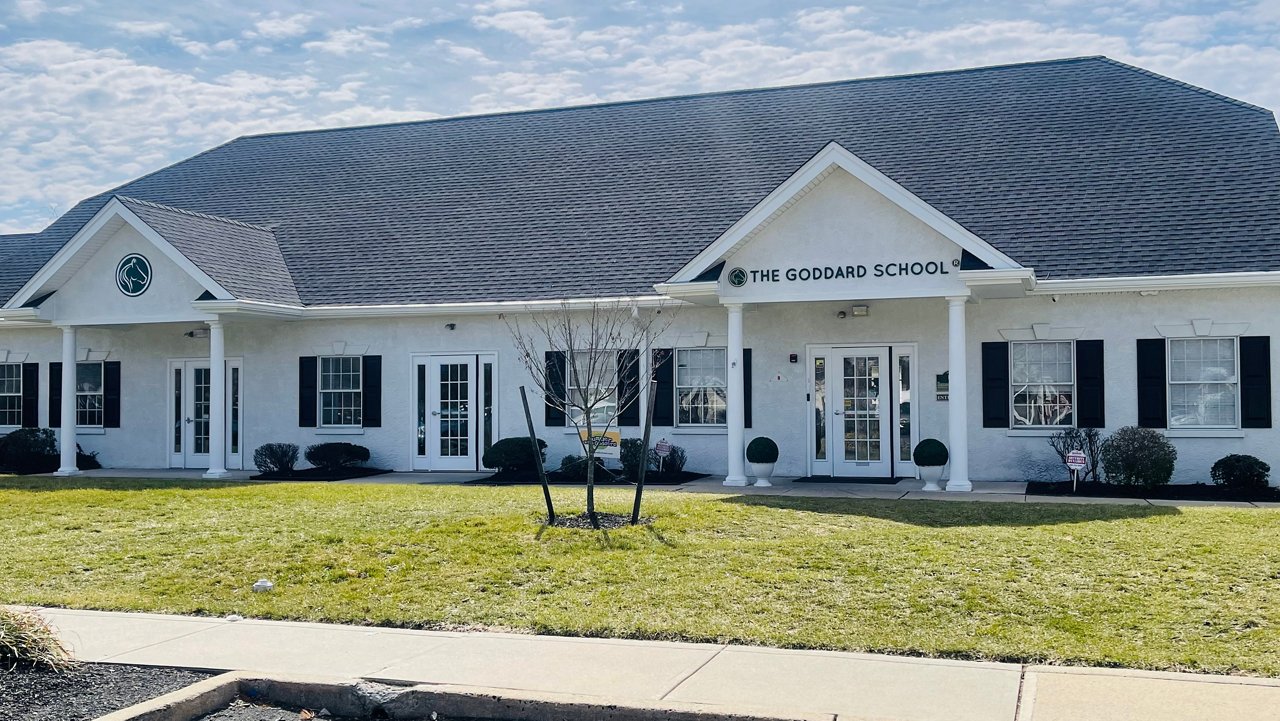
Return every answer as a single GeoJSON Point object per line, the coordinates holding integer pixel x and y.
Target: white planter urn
{"type": "Point", "coordinates": [762, 472]}
{"type": "Point", "coordinates": [931, 475]}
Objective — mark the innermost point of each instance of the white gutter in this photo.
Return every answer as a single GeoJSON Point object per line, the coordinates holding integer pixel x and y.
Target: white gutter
{"type": "Point", "coordinates": [1137, 284]}
{"type": "Point", "coordinates": [240, 307]}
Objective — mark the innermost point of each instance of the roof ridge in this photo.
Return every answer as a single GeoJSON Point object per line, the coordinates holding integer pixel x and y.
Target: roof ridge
{"type": "Point", "coordinates": [184, 211]}
{"type": "Point", "coordinates": [689, 96]}
{"type": "Point", "coordinates": [1185, 85]}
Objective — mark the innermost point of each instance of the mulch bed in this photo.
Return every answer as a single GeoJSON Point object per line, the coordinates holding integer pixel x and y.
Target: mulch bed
{"type": "Point", "coordinates": [847, 479]}
{"type": "Point", "coordinates": [245, 711]}
{"type": "Point", "coordinates": [556, 478]}
{"type": "Point", "coordinates": [608, 521]}
{"type": "Point", "coordinates": [1172, 492]}
{"type": "Point", "coordinates": [87, 692]}
{"type": "Point", "coordinates": [313, 475]}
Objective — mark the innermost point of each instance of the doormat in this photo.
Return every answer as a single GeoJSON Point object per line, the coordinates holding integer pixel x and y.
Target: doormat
{"type": "Point", "coordinates": [846, 479]}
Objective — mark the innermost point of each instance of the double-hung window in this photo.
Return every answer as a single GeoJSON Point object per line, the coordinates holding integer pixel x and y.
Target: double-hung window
{"type": "Point", "coordinates": [592, 382]}
{"type": "Point", "coordinates": [10, 394]}
{"type": "Point", "coordinates": [1043, 378]}
{"type": "Point", "coordinates": [1204, 389]}
{"type": "Point", "coordinates": [341, 400]}
{"type": "Point", "coordinates": [700, 386]}
{"type": "Point", "coordinates": [89, 394]}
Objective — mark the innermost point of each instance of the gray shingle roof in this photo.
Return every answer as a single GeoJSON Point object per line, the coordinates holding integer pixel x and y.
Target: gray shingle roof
{"type": "Point", "coordinates": [242, 258]}
{"type": "Point", "coordinates": [1077, 168]}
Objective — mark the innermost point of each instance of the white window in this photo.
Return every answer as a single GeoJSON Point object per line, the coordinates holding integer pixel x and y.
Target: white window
{"type": "Point", "coordinates": [700, 386]}
{"type": "Point", "coordinates": [1043, 378]}
{"type": "Point", "coordinates": [341, 398]}
{"type": "Point", "coordinates": [1203, 388]}
{"type": "Point", "coordinates": [89, 394]}
{"type": "Point", "coordinates": [592, 380]}
{"type": "Point", "coordinates": [10, 394]}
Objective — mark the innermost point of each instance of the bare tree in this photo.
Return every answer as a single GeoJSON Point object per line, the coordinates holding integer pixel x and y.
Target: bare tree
{"type": "Point", "coordinates": [602, 343]}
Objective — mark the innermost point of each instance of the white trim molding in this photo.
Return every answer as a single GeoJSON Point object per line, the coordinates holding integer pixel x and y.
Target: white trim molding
{"type": "Point", "coordinates": [1041, 331]}
{"type": "Point", "coordinates": [1202, 328]}
{"type": "Point", "coordinates": [831, 157]}
{"type": "Point", "coordinates": [1151, 284]}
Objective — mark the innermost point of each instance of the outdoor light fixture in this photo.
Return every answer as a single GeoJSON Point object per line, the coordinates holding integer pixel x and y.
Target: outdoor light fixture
{"type": "Point", "coordinates": [450, 326]}
{"type": "Point", "coordinates": [857, 311]}
{"type": "Point", "coordinates": [197, 333]}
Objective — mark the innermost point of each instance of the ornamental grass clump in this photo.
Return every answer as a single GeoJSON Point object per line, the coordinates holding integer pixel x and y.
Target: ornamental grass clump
{"type": "Point", "coordinates": [27, 642]}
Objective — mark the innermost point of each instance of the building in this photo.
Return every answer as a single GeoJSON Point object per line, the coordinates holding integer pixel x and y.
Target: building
{"type": "Point", "coordinates": [981, 256]}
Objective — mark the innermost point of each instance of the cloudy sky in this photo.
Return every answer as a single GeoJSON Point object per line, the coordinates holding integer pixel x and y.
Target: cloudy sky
{"type": "Point", "coordinates": [94, 93]}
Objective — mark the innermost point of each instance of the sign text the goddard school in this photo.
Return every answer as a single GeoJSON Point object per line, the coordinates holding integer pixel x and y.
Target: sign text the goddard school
{"type": "Point", "coordinates": [739, 277]}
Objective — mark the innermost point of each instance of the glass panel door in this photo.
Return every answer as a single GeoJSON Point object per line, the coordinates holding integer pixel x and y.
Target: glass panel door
{"type": "Point", "coordinates": [191, 409]}
{"type": "Point", "coordinates": [454, 411]}
{"type": "Point", "coordinates": [862, 404]}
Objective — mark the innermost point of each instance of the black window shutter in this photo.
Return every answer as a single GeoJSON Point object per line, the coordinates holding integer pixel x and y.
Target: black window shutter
{"type": "Point", "coordinates": [552, 415]}
{"type": "Point", "coordinates": [111, 394]}
{"type": "Point", "coordinates": [746, 386]}
{"type": "Point", "coordinates": [55, 395]}
{"type": "Point", "coordinates": [308, 391]}
{"type": "Point", "coordinates": [30, 395]}
{"type": "Point", "coordinates": [1153, 410]}
{"type": "Point", "coordinates": [629, 387]}
{"type": "Point", "coordinates": [664, 405]}
{"type": "Point", "coordinates": [1255, 381]}
{"type": "Point", "coordinates": [1090, 388]}
{"type": "Point", "coordinates": [995, 385]}
{"type": "Point", "coordinates": [371, 392]}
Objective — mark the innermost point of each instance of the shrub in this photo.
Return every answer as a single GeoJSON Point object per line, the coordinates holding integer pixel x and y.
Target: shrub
{"type": "Point", "coordinates": [512, 455]}
{"type": "Point", "coordinates": [574, 468]}
{"type": "Point", "coordinates": [673, 463]}
{"type": "Point", "coordinates": [762, 449]}
{"type": "Point", "coordinates": [1135, 456]}
{"type": "Point", "coordinates": [1088, 440]}
{"type": "Point", "coordinates": [336, 456]}
{"type": "Point", "coordinates": [86, 461]}
{"type": "Point", "coordinates": [1241, 472]}
{"type": "Point", "coordinates": [27, 641]}
{"type": "Point", "coordinates": [29, 450]}
{"type": "Point", "coordinates": [631, 455]}
{"type": "Point", "coordinates": [930, 452]}
{"type": "Point", "coordinates": [276, 458]}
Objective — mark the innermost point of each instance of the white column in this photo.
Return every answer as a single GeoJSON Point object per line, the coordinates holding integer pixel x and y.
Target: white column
{"type": "Point", "coordinates": [67, 436]}
{"type": "Point", "coordinates": [958, 400]}
{"type": "Point", "coordinates": [736, 401]}
{"type": "Point", "coordinates": [217, 402]}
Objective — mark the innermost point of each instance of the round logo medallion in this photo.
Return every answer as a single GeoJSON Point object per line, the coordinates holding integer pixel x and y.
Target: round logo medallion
{"type": "Point", "coordinates": [737, 277]}
{"type": "Point", "coordinates": [133, 275]}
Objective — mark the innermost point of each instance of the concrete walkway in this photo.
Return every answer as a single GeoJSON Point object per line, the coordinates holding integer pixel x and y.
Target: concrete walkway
{"type": "Point", "coordinates": [849, 685]}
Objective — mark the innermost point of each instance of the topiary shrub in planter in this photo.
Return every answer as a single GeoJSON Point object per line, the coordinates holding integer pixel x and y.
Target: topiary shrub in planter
{"type": "Point", "coordinates": [514, 455]}
{"type": "Point", "coordinates": [276, 458]}
{"type": "Point", "coordinates": [1241, 472]}
{"type": "Point", "coordinates": [762, 454]}
{"type": "Point", "coordinates": [1141, 457]}
{"type": "Point", "coordinates": [930, 456]}
{"type": "Point", "coordinates": [336, 456]}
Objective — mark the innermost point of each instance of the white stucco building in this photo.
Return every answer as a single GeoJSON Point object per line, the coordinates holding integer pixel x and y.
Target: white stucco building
{"type": "Point", "coordinates": [982, 257]}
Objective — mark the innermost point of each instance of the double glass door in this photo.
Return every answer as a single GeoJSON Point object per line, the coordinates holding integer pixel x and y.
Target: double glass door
{"type": "Point", "coordinates": [190, 402]}
{"type": "Point", "coordinates": [860, 404]}
{"type": "Point", "coordinates": [454, 408]}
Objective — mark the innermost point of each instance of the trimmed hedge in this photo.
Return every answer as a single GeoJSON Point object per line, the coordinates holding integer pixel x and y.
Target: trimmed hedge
{"type": "Point", "coordinates": [336, 456]}
{"type": "Point", "coordinates": [1241, 472]}
{"type": "Point", "coordinates": [514, 455]}
{"type": "Point", "coordinates": [1135, 456]}
{"type": "Point", "coordinates": [276, 458]}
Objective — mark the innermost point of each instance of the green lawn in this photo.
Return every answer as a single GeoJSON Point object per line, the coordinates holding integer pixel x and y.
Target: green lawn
{"type": "Point", "coordinates": [1191, 588]}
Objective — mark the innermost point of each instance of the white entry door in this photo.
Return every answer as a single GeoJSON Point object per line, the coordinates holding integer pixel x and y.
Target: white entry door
{"type": "Point", "coordinates": [189, 413]}
{"type": "Point", "coordinates": [453, 403]}
{"type": "Point", "coordinates": [861, 413]}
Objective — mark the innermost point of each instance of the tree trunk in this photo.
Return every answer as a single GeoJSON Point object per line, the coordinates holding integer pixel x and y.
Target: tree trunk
{"type": "Point", "coordinates": [537, 457]}
{"type": "Point", "coordinates": [644, 452]}
{"type": "Point", "coordinates": [590, 448]}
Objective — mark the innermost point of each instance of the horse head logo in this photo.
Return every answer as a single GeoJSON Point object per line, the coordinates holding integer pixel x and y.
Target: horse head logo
{"type": "Point", "coordinates": [133, 275]}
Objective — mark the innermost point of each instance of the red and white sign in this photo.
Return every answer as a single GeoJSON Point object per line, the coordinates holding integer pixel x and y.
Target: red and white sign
{"type": "Point", "coordinates": [1076, 460]}
{"type": "Point", "coordinates": [662, 448]}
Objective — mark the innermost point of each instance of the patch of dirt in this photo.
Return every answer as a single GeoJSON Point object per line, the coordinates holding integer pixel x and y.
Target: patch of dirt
{"type": "Point", "coordinates": [608, 521]}
{"type": "Point", "coordinates": [245, 711]}
{"type": "Point", "coordinates": [86, 692]}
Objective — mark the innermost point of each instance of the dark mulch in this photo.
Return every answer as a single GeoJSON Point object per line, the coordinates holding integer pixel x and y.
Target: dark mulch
{"type": "Point", "coordinates": [608, 521]}
{"type": "Point", "coordinates": [87, 692]}
{"type": "Point", "coordinates": [1172, 492]}
{"type": "Point", "coordinates": [847, 479]}
{"type": "Point", "coordinates": [312, 475]}
{"type": "Point", "coordinates": [556, 478]}
{"type": "Point", "coordinates": [245, 711]}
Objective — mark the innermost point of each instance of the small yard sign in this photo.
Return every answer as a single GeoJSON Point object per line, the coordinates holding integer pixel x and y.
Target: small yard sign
{"type": "Point", "coordinates": [1076, 460]}
{"type": "Point", "coordinates": [663, 448]}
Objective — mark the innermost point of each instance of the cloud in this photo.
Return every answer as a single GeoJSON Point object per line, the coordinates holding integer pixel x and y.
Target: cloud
{"type": "Point", "coordinates": [143, 28]}
{"type": "Point", "coordinates": [361, 39]}
{"type": "Point", "coordinates": [278, 27]}
{"type": "Point", "coordinates": [29, 9]}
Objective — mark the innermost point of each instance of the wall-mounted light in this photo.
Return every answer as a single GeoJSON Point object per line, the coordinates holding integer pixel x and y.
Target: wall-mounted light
{"type": "Point", "coordinates": [197, 333]}
{"type": "Point", "coordinates": [451, 326]}
{"type": "Point", "coordinates": [857, 311]}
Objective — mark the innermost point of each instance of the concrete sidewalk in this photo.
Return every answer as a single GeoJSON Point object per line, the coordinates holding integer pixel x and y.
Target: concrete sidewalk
{"type": "Point", "coordinates": [849, 685]}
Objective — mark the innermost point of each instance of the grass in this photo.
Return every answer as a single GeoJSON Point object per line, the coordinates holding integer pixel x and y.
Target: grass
{"type": "Point", "coordinates": [1138, 586]}
{"type": "Point", "coordinates": [27, 641]}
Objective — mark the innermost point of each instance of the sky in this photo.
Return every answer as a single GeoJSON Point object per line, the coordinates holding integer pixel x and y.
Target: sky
{"type": "Point", "coordinates": [95, 93]}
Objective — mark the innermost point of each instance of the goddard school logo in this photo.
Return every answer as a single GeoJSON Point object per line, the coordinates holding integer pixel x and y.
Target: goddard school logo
{"type": "Point", "coordinates": [737, 277]}
{"type": "Point", "coordinates": [133, 275]}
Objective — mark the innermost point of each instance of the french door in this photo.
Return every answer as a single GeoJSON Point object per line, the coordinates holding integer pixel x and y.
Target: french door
{"type": "Point", "coordinates": [454, 407]}
{"type": "Point", "coordinates": [860, 404]}
{"type": "Point", "coordinates": [190, 399]}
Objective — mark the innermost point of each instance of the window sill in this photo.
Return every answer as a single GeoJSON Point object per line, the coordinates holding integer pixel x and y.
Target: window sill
{"type": "Point", "coordinates": [6, 430]}
{"type": "Point", "coordinates": [1032, 432]}
{"type": "Point", "coordinates": [1204, 433]}
{"type": "Point", "coordinates": [696, 431]}
{"type": "Point", "coordinates": [90, 431]}
{"type": "Point", "coordinates": [338, 431]}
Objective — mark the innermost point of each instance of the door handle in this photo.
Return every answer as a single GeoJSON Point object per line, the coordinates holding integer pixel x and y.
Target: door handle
{"type": "Point", "coordinates": [435, 413]}
{"type": "Point", "coordinates": [190, 421]}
